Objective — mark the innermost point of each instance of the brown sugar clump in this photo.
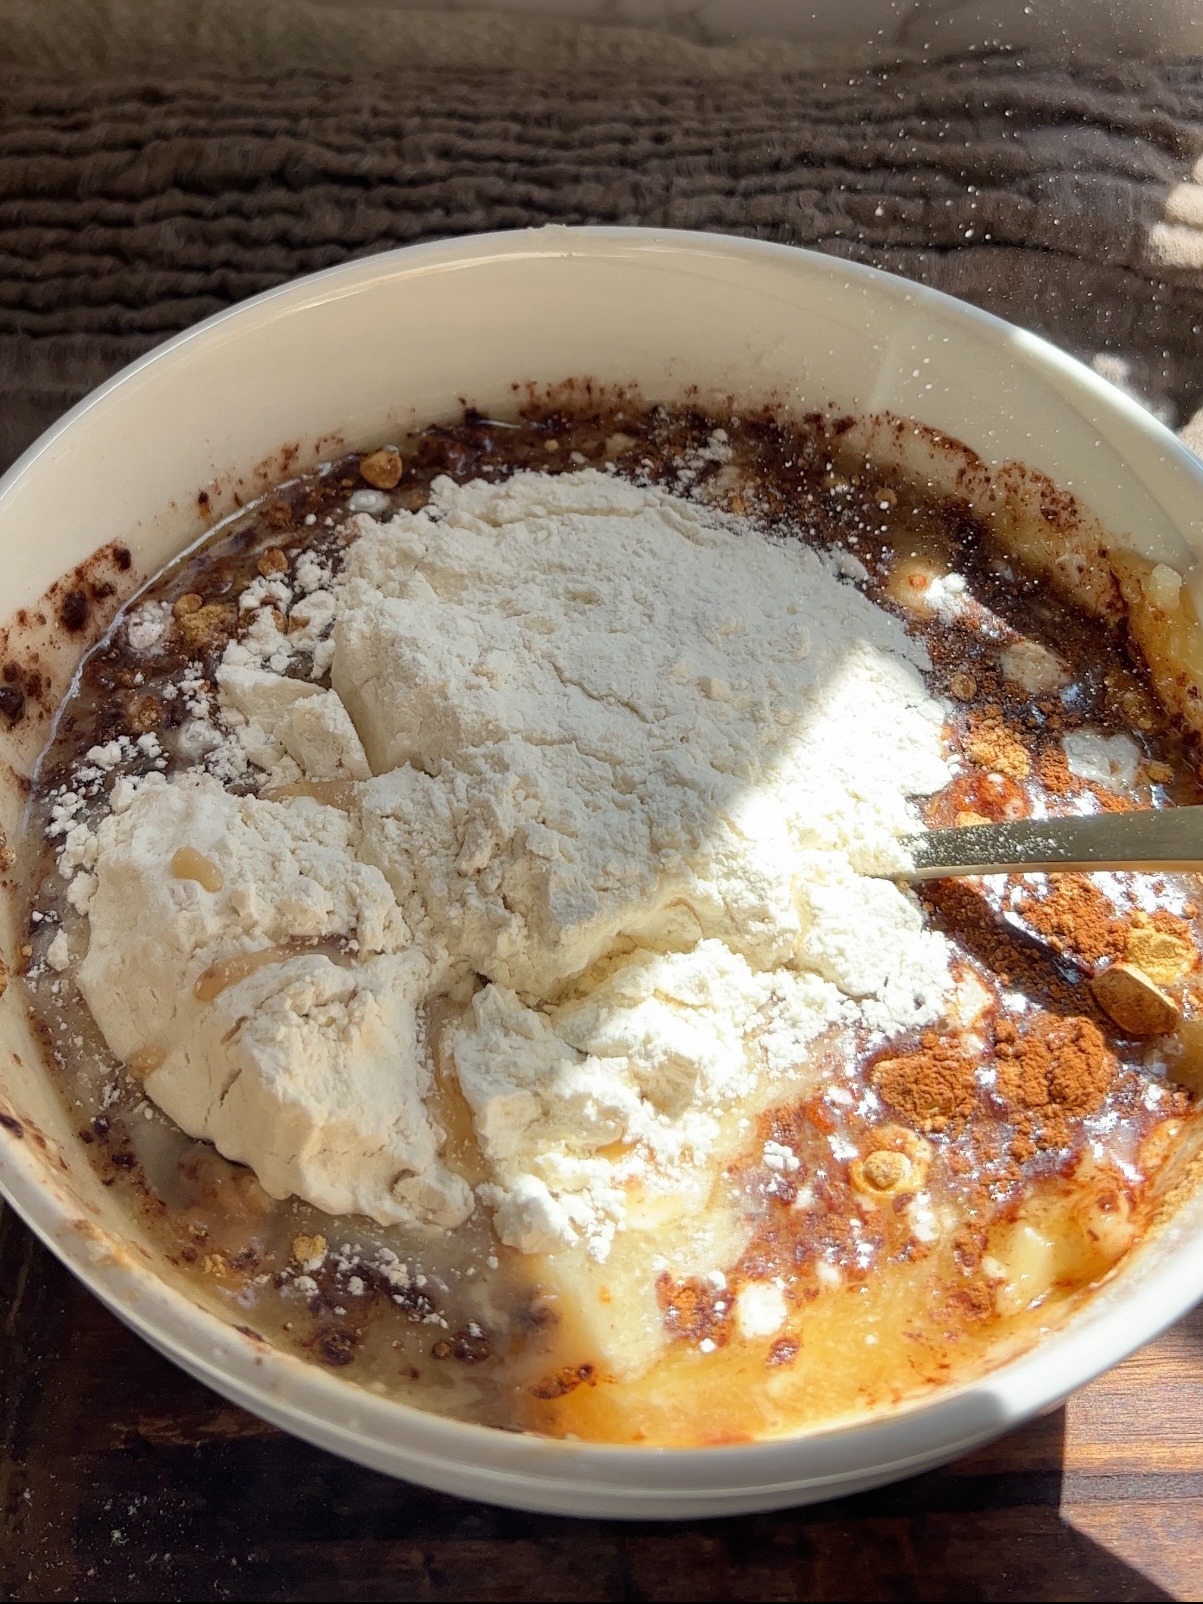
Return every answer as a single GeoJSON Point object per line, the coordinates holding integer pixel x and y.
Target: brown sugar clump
{"type": "Point", "coordinates": [382, 469]}
{"type": "Point", "coordinates": [1058, 1066]}
{"type": "Point", "coordinates": [885, 1169]}
{"type": "Point", "coordinates": [1075, 917]}
{"type": "Point", "coordinates": [201, 623]}
{"type": "Point", "coordinates": [963, 686]}
{"type": "Point", "coordinates": [895, 1161]}
{"type": "Point", "coordinates": [1134, 1002]}
{"type": "Point", "coordinates": [1163, 954]}
{"type": "Point", "coordinates": [143, 1061]}
{"type": "Point", "coordinates": [469, 1347]}
{"type": "Point", "coordinates": [882, 1172]}
{"type": "Point", "coordinates": [146, 714]}
{"type": "Point", "coordinates": [929, 1088]}
{"type": "Point", "coordinates": [564, 1381]}
{"type": "Point", "coordinates": [272, 563]}
{"type": "Point", "coordinates": [991, 745]}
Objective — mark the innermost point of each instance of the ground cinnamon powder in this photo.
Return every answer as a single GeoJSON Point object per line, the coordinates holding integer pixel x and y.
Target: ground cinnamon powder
{"type": "Point", "coordinates": [1053, 1071]}
{"type": "Point", "coordinates": [1052, 1061]}
{"type": "Point", "coordinates": [694, 1310]}
{"type": "Point", "coordinates": [930, 1088]}
{"type": "Point", "coordinates": [1058, 1066]}
{"type": "Point", "coordinates": [1075, 917]}
{"type": "Point", "coordinates": [964, 911]}
{"type": "Point", "coordinates": [993, 745]}
{"type": "Point", "coordinates": [1051, 1075]}
{"type": "Point", "coordinates": [1053, 772]}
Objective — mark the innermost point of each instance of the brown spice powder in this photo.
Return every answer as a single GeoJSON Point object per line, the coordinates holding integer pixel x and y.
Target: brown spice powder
{"type": "Point", "coordinates": [930, 1088]}
{"type": "Point", "coordinates": [963, 910]}
{"type": "Point", "coordinates": [1053, 771]}
{"type": "Point", "coordinates": [992, 745]}
{"type": "Point", "coordinates": [1075, 917]}
{"type": "Point", "coordinates": [783, 1352]}
{"type": "Point", "coordinates": [1057, 1066]}
{"type": "Point", "coordinates": [689, 1309]}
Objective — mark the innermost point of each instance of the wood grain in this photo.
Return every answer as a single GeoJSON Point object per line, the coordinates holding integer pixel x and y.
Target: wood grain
{"type": "Point", "coordinates": [122, 1478]}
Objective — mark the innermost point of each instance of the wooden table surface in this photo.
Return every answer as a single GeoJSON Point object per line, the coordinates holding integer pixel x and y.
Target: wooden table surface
{"type": "Point", "coordinates": [121, 1478]}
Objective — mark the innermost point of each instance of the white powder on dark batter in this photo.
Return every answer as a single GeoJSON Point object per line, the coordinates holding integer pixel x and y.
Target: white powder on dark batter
{"type": "Point", "coordinates": [621, 770]}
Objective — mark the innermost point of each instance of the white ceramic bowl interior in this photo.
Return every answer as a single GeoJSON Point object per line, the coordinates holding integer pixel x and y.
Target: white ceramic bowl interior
{"type": "Point", "coordinates": [353, 356]}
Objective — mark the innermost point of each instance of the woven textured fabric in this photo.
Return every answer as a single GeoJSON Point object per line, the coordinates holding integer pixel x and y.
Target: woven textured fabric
{"type": "Point", "coordinates": [1060, 195]}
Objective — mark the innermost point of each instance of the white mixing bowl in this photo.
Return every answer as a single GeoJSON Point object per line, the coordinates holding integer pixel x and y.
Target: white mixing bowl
{"type": "Point", "coordinates": [351, 356]}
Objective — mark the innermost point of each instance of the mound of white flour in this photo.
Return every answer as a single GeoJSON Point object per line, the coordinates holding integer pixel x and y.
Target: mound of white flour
{"type": "Point", "coordinates": [613, 772]}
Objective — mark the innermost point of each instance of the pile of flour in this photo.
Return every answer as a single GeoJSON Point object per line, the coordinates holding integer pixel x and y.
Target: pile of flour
{"type": "Point", "coordinates": [608, 771]}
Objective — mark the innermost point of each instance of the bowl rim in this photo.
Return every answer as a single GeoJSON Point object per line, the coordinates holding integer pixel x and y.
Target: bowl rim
{"type": "Point", "coordinates": [336, 1411]}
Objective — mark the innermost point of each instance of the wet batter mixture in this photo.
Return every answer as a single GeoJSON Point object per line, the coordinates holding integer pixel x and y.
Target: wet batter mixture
{"type": "Point", "coordinates": [919, 1204]}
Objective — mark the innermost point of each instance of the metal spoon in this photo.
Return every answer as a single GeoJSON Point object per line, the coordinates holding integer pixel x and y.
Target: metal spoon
{"type": "Point", "coordinates": [1166, 839]}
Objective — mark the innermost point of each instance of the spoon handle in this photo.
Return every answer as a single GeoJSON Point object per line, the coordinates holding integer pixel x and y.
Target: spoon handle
{"type": "Point", "coordinates": [1165, 838]}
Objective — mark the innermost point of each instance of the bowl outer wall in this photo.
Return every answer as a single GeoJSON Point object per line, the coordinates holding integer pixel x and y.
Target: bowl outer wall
{"type": "Point", "coordinates": [368, 349]}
